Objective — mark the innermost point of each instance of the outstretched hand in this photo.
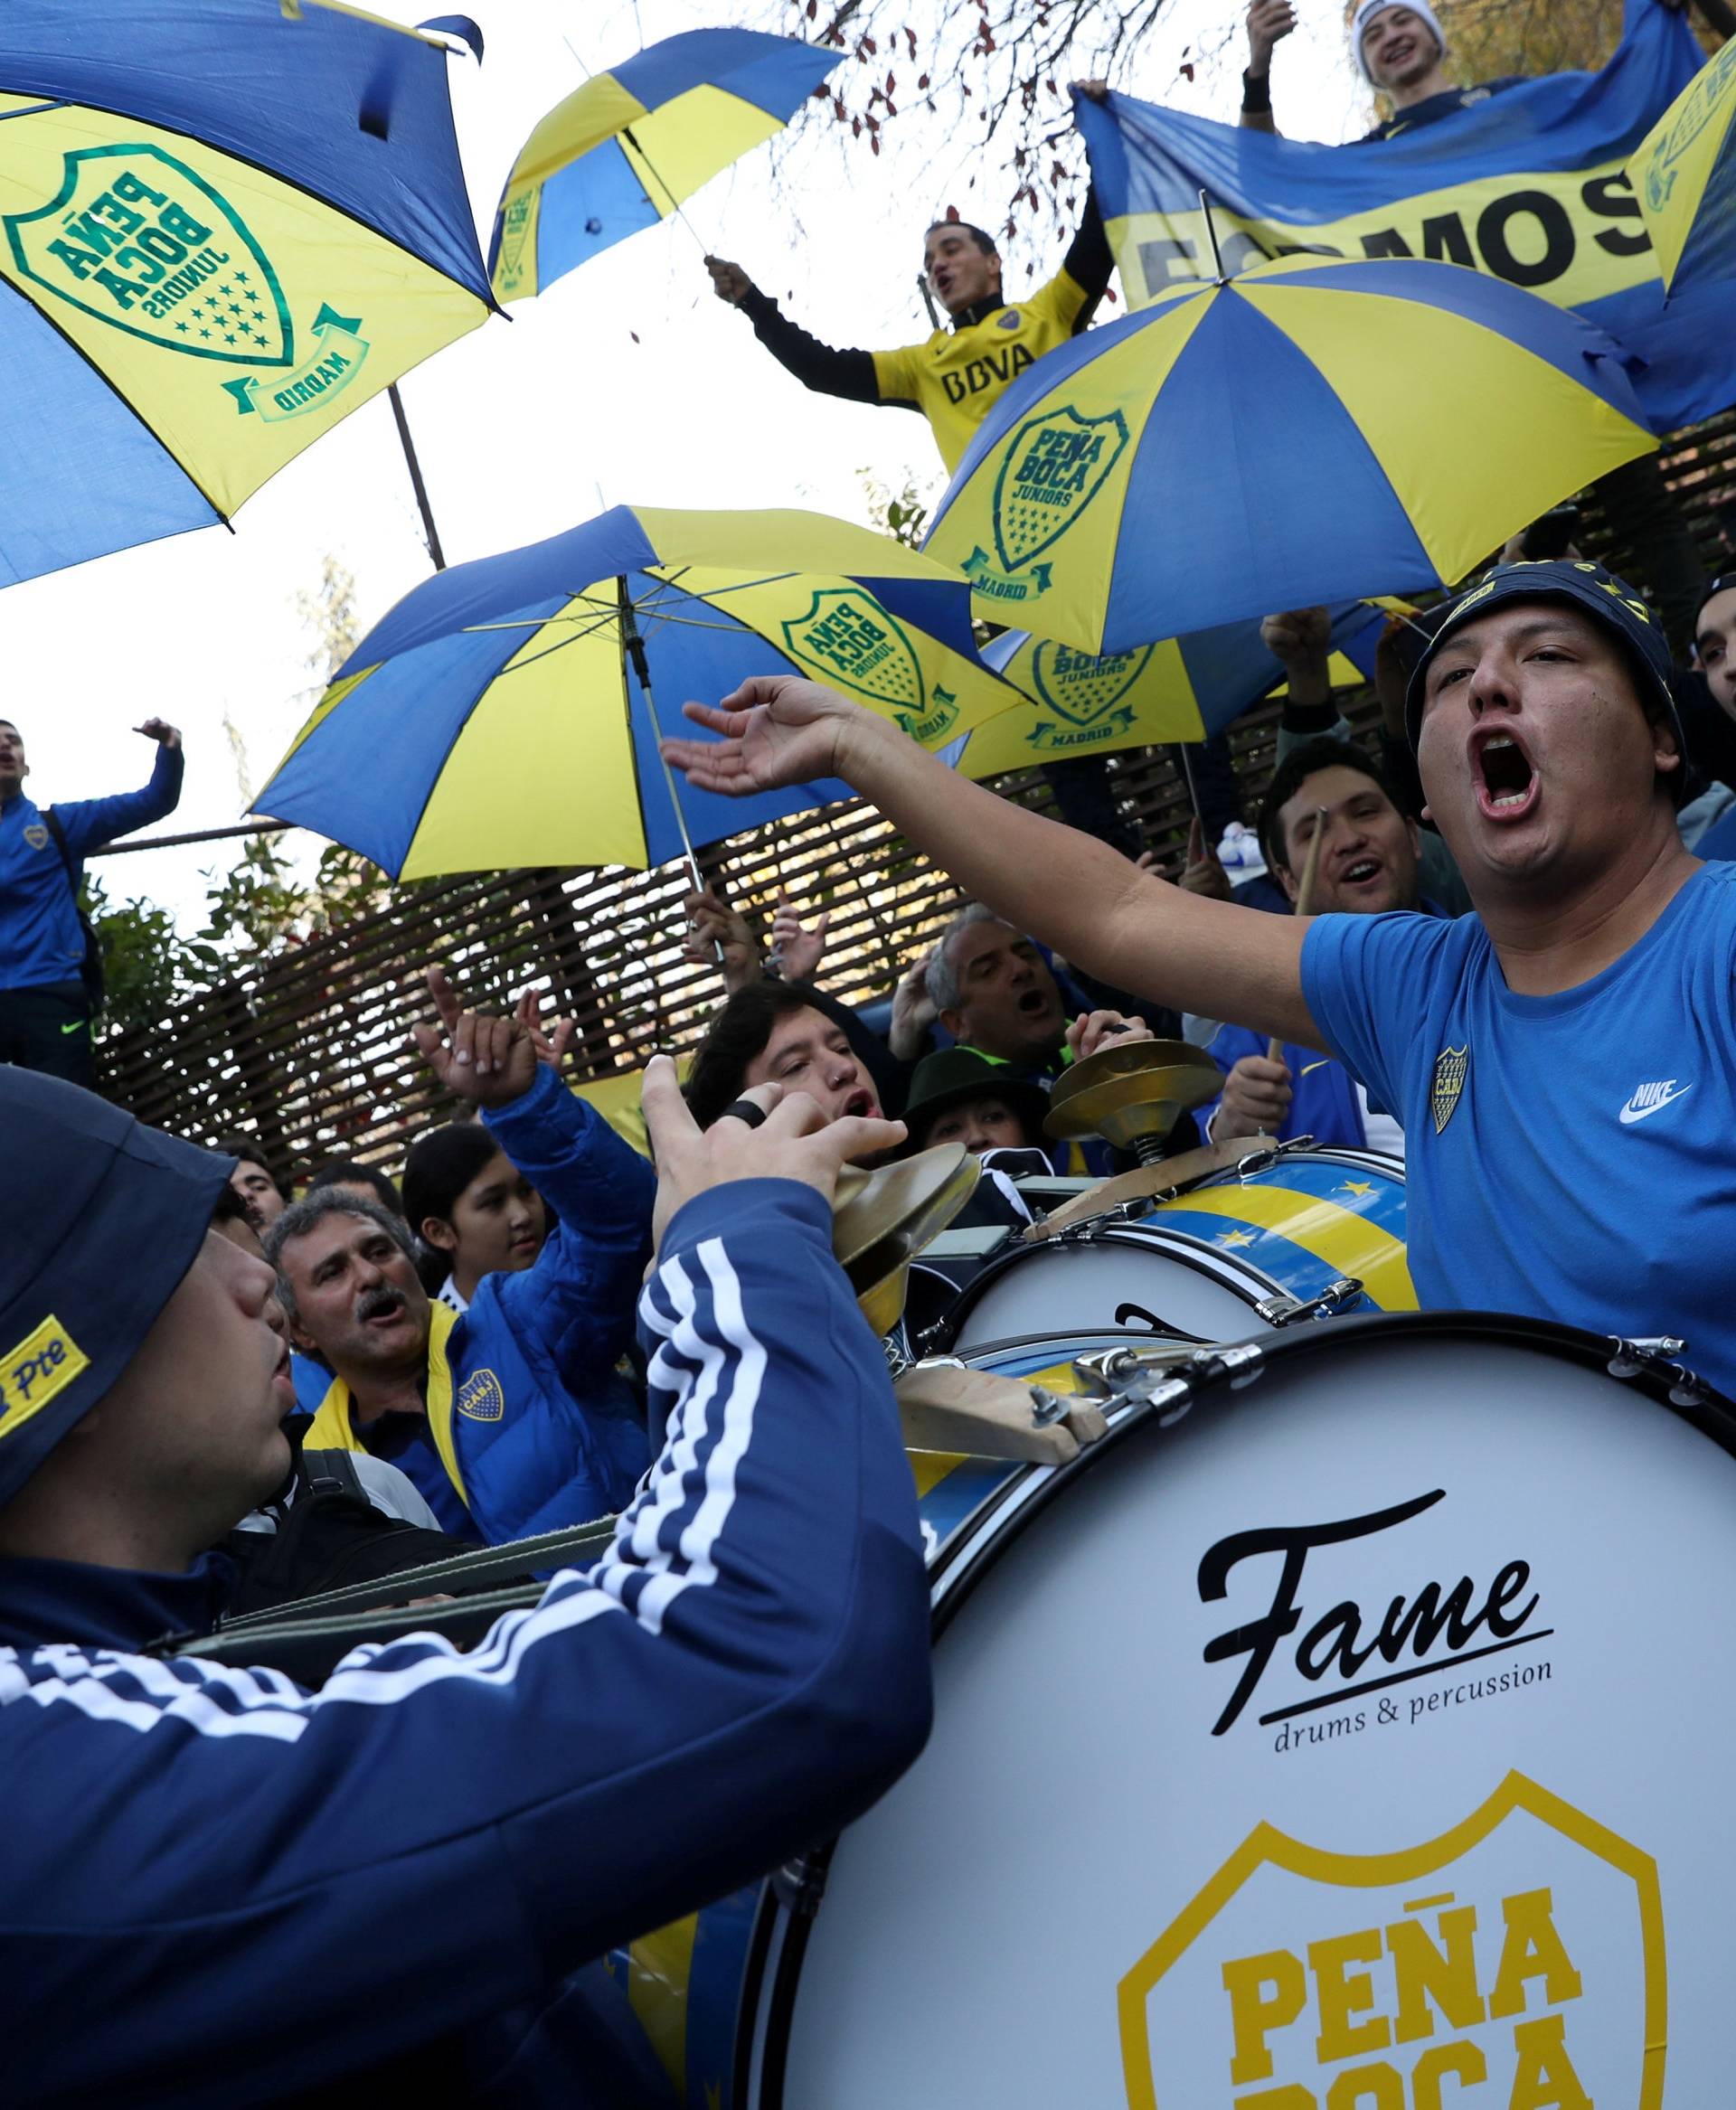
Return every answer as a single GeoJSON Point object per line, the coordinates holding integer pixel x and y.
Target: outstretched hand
{"type": "Point", "coordinates": [486, 1061]}
{"type": "Point", "coordinates": [776, 729]}
{"type": "Point", "coordinates": [795, 1141]}
{"type": "Point", "coordinates": [160, 731]}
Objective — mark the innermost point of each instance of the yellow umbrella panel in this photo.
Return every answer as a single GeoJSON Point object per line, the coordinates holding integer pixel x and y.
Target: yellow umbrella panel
{"type": "Point", "coordinates": [1684, 177]}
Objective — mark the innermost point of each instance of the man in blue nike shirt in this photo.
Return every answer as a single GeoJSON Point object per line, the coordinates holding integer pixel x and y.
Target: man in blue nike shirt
{"type": "Point", "coordinates": [1560, 1060]}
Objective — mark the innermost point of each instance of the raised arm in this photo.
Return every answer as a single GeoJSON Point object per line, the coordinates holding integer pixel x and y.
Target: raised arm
{"type": "Point", "coordinates": [1269, 22]}
{"type": "Point", "coordinates": [823, 368]}
{"type": "Point", "coordinates": [1124, 925]}
{"type": "Point", "coordinates": [742, 1672]}
{"type": "Point", "coordinates": [88, 822]}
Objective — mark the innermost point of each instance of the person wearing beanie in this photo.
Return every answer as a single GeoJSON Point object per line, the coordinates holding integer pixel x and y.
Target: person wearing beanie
{"type": "Point", "coordinates": [1559, 1060]}
{"type": "Point", "coordinates": [455, 1833]}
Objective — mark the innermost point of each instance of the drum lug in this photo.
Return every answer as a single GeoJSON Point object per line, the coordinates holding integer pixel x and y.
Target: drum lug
{"type": "Point", "coordinates": [799, 1885]}
{"type": "Point", "coordinates": [1657, 1355]}
{"type": "Point", "coordinates": [1285, 1310]}
{"type": "Point", "coordinates": [1267, 1154]}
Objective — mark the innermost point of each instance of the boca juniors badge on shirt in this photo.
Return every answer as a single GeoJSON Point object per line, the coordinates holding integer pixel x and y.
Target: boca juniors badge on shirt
{"type": "Point", "coordinates": [1450, 1065]}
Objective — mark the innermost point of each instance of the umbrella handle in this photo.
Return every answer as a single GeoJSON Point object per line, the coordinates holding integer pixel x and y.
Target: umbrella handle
{"type": "Point", "coordinates": [633, 648]}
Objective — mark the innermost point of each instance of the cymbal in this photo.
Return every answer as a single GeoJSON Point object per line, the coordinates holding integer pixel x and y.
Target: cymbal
{"type": "Point", "coordinates": [879, 1218]}
{"type": "Point", "coordinates": [1131, 1089]}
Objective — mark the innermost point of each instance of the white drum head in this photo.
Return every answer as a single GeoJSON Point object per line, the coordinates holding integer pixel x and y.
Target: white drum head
{"type": "Point", "coordinates": [1064, 1288]}
{"type": "Point", "coordinates": [1497, 1852]}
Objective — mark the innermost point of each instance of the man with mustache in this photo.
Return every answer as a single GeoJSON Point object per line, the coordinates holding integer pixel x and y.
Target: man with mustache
{"type": "Point", "coordinates": [511, 1419]}
{"type": "Point", "coordinates": [1570, 1041]}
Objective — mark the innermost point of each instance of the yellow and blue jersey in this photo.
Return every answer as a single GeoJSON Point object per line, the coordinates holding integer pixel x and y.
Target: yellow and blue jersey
{"type": "Point", "coordinates": [955, 377]}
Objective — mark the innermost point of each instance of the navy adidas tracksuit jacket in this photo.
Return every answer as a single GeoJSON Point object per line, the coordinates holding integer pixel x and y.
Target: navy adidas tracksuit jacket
{"type": "Point", "coordinates": [41, 938]}
{"type": "Point", "coordinates": [220, 1890]}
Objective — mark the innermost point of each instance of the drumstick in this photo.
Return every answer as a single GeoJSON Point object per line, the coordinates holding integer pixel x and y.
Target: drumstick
{"type": "Point", "coordinates": [1304, 906]}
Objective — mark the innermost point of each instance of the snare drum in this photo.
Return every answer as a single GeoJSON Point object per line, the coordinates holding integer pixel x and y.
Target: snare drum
{"type": "Point", "coordinates": [1462, 1818]}
{"type": "Point", "coordinates": [1231, 1257]}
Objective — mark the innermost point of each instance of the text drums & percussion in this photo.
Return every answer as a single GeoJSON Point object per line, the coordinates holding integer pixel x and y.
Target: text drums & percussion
{"type": "Point", "coordinates": [1349, 1726]}
{"type": "Point", "coordinates": [1293, 1232]}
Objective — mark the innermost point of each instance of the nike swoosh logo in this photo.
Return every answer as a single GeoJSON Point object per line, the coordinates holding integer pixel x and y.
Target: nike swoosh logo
{"type": "Point", "coordinates": [77, 1026]}
{"type": "Point", "coordinates": [1631, 1113]}
{"type": "Point", "coordinates": [1308, 1069]}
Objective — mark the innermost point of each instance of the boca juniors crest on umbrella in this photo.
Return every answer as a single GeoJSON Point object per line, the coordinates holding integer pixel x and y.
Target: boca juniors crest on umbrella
{"type": "Point", "coordinates": [1184, 688]}
{"type": "Point", "coordinates": [1240, 446]}
{"type": "Point", "coordinates": [222, 228]}
{"type": "Point", "coordinates": [504, 713]}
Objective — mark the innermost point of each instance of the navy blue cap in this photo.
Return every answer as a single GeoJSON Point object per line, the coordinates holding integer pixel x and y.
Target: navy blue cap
{"type": "Point", "coordinates": [100, 1220]}
{"type": "Point", "coordinates": [1610, 601]}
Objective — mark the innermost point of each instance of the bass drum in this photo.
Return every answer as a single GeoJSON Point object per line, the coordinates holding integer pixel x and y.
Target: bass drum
{"type": "Point", "coordinates": [1229, 1257]}
{"type": "Point", "coordinates": [1353, 1719]}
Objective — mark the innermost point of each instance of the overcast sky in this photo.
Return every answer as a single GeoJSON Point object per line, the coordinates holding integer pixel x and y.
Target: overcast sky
{"type": "Point", "coordinates": [627, 381]}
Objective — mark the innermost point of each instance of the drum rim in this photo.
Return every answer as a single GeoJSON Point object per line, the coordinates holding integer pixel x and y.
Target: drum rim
{"type": "Point", "coordinates": [769, 2007]}
{"type": "Point", "coordinates": [1240, 1277]}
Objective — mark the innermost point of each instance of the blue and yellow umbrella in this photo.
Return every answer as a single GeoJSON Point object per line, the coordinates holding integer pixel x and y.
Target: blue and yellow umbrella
{"type": "Point", "coordinates": [631, 145]}
{"type": "Point", "coordinates": [1683, 174]}
{"type": "Point", "coordinates": [223, 226]}
{"type": "Point", "coordinates": [1312, 430]}
{"type": "Point", "coordinates": [504, 713]}
{"type": "Point", "coordinates": [1184, 688]}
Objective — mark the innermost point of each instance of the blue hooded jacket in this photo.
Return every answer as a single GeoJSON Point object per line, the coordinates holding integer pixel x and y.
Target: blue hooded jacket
{"type": "Point", "coordinates": [443, 1836]}
{"type": "Point", "coordinates": [543, 1431]}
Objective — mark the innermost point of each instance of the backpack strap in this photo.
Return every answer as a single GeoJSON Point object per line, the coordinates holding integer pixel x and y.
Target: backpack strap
{"type": "Point", "coordinates": [333, 1473]}
{"type": "Point", "coordinates": [52, 821]}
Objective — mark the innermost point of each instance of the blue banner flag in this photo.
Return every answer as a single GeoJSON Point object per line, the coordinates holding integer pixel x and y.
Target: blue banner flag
{"type": "Point", "coordinates": [1528, 185]}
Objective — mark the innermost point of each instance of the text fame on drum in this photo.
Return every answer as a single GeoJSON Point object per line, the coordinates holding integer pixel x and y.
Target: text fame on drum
{"type": "Point", "coordinates": [1570, 1040]}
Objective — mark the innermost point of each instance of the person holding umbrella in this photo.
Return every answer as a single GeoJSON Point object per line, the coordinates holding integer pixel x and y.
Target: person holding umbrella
{"type": "Point", "coordinates": [1572, 1039]}
{"type": "Point", "coordinates": [956, 374]}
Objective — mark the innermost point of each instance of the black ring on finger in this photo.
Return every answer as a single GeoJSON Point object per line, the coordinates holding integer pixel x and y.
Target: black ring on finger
{"type": "Point", "coordinates": [744, 1111]}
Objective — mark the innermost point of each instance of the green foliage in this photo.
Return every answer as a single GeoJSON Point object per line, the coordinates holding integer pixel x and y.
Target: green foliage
{"type": "Point", "coordinates": [256, 904]}
{"type": "Point", "coordinates": [148, 966]}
